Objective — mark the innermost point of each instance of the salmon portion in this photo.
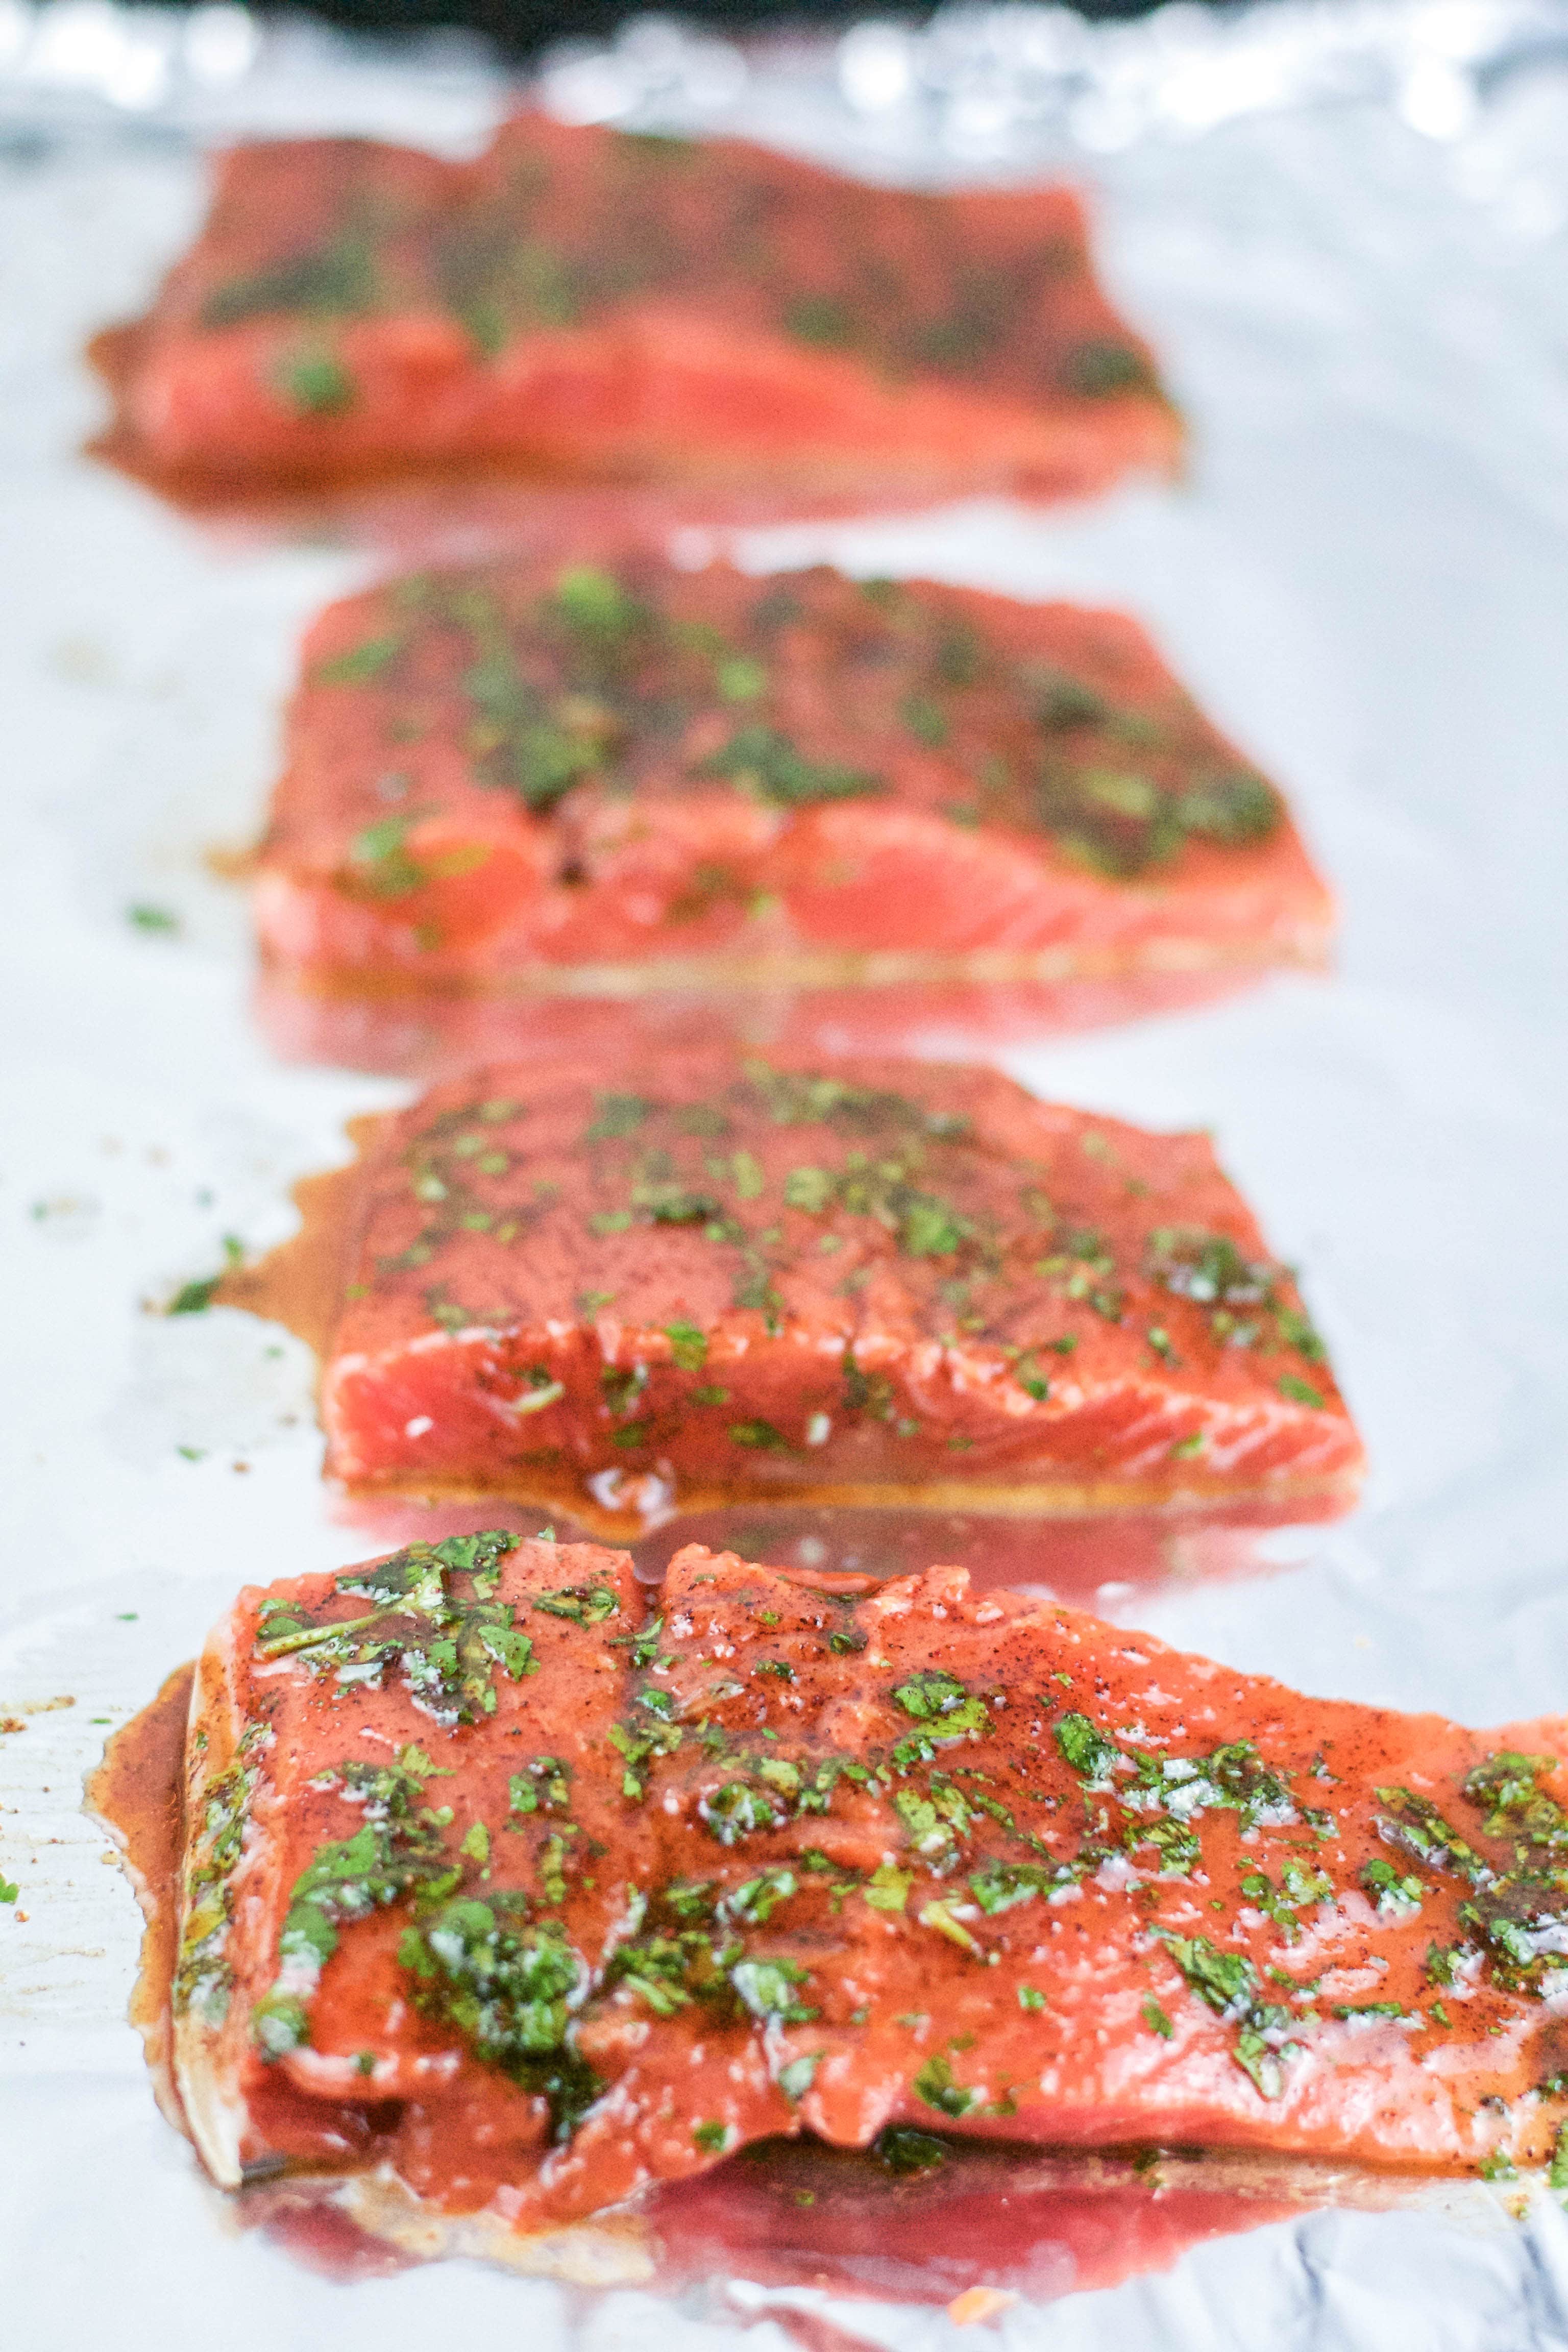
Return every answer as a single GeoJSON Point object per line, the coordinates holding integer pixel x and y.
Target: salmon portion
{"type": "Point", "coordinates": [544, 778]}
{"type": "Point", "coordinates": [515, 1901]}
{"type": "Point", "coordinates": [889, 1282]}
{"type": "Point", "coordinates": [597, 300]}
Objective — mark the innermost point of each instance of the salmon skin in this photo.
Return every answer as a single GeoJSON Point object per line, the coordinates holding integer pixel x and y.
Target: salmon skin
{"type": "Point", "coordinates": [510, 1891]}
{"type": "Point", "coordinates": [598, 300]}
{"type": "Point", "coordinates": [899, 1282]}
{"type": "Point", "coordinates": [609, 780]}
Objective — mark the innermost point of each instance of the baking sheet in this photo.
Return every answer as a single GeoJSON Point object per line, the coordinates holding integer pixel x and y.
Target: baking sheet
{"type": "Point", "coordinates": [1347, 229]}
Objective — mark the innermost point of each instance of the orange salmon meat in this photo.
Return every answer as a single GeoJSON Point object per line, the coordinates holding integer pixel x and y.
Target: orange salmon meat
{"type": "Point", "coordinates": [535, 778]}
{"type": "Point", "coordinates": [592, 300]}
{"type": "Point", "coordinates": [895, 1282]}
{"type": "Point", "coordinates": [512, 1891]}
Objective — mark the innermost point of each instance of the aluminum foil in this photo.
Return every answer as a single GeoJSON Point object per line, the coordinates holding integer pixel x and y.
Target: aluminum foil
{"type": "Point", "coordinates": [1346, 227]}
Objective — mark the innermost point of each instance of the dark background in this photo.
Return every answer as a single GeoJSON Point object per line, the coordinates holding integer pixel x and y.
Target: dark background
{"type": "Point", "coordinates": [522, 25]}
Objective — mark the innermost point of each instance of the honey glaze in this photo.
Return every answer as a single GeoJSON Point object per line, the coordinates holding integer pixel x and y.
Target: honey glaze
{"type": "Point", "coordinates": [301, 1283]}
{"type": "Point", "coordinates": [137, 1793]}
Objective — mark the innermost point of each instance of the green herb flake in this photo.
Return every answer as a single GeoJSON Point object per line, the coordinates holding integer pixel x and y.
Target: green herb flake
{"type": "Point", "coordinates": [767, 1988]}
{"type": "Point", "coordinates": [315, 382]}
{"type": "Point", "coordinates": [906, 2151]}
{"type": "Point", "coordinates": [934, 2084]}
{"type": "Point", "coordinates": [737, 1811]}
{"type": "Point", "coordinates": [361, 664]}
{"type": "Point", "coordinates": [926, 720]}
{"type": "Point", "coordinates": [761, 1436]}
{"type": "Point", "coordinates": [940, 1701]}
{"type": "Point", "coordinates": [888, 1888]}
{"type": "Point", "coordinates": [195, 1298]}
{"type": "Point", "coordinates": [1085, 1749]}
{"type": "Point", "coordinates": [509, 1992]}
{"type": "Point", "coordinates": [688, 1346]}
{"type": "Point", "coordinates": [768, 766]}
{"type": "Point", "coordinates": [1399, 1895]}
{"type": "Point", "coordinates": [616, 1115]}
{"type": "Point", "coordinates": [583, 1604]}
{"type": "Point", "coordinates": [738, 679]}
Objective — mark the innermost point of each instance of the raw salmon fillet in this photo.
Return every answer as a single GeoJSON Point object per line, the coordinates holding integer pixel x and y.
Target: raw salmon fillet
{"type": "Point", "coordinates": [538, 777]}
{"type": "Point", "coordinates": [717, 1279]}
{"type": "Point", "coordinates": [511, 1893]}
{"type": "Point", "coordinates": [590, 299]}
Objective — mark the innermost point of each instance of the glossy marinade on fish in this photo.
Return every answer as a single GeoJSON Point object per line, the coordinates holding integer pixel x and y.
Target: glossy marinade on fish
{"type": "Point", "coordinates": [716, 1278]}
{"type": "Point", "coordinates": [511, 1890]}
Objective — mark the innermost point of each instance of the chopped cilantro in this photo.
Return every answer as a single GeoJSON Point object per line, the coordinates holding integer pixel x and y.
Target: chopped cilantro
{"type": "Point", "coordinates": [688, 1346]}
{"type": "Point", "coordinates": [616, 1115]}
{"type": "Point", "coordinates": [509, 1991]}
{"type": "Point", "coordinates": [925, 720]}
{"type": "Point", "coordinates": [767, 765]}
{"type": "Point", "coordinates": [585, 1604]}
{"type": "Point", "coordinates": [768, 1989]}
{"type": "Point", "coordinates": [761, 1436]}
{"type": "Point", "coordinates": [195, 1297]}
{"type": "Point", "coordinates": [934, 2084]}
{"type": "Point", "coordinates": [905, 2150]}
{"type": "Point", "coordinates": [736, 1810]}
{"type": "Point", "coordinates": [447, 1646]}
{"type": "Point", "coordinates": [738, 679]}
{"type": "Point", "coordinates": [1086, 1749]}
{"type": "Point", "coordinates": [938, 1698]}
{"type": "Point", "coordinates": [1391, 1892]}
{"type": "Point", "coordinates": [314, 380]}
{"type": "Point", "coordinates": [757, 1898]}
{"type": "Point", "coordinates": [361, 663]}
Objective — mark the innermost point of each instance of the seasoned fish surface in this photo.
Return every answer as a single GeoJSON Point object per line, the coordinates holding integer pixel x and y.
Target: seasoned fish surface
{"type": "Point", "coordinates": [582, 298]}
{"type": "Point", "coordinates": [538, 777]}
{"type": "Point", "coordinates": [523, 1893]}
{"type": "Point", "coordinates": [892, 1282]}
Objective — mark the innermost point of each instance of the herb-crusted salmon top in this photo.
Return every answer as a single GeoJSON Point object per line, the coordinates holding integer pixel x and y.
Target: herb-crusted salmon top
{"type": "Point", "coordinates": [882, 1280]}
{"type": "Point", "coordinates": [502, 775]}
{"type": "Point", "coordinates": [590, 297]}
{"type": "Point", "coordinates": [536, 1892]}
